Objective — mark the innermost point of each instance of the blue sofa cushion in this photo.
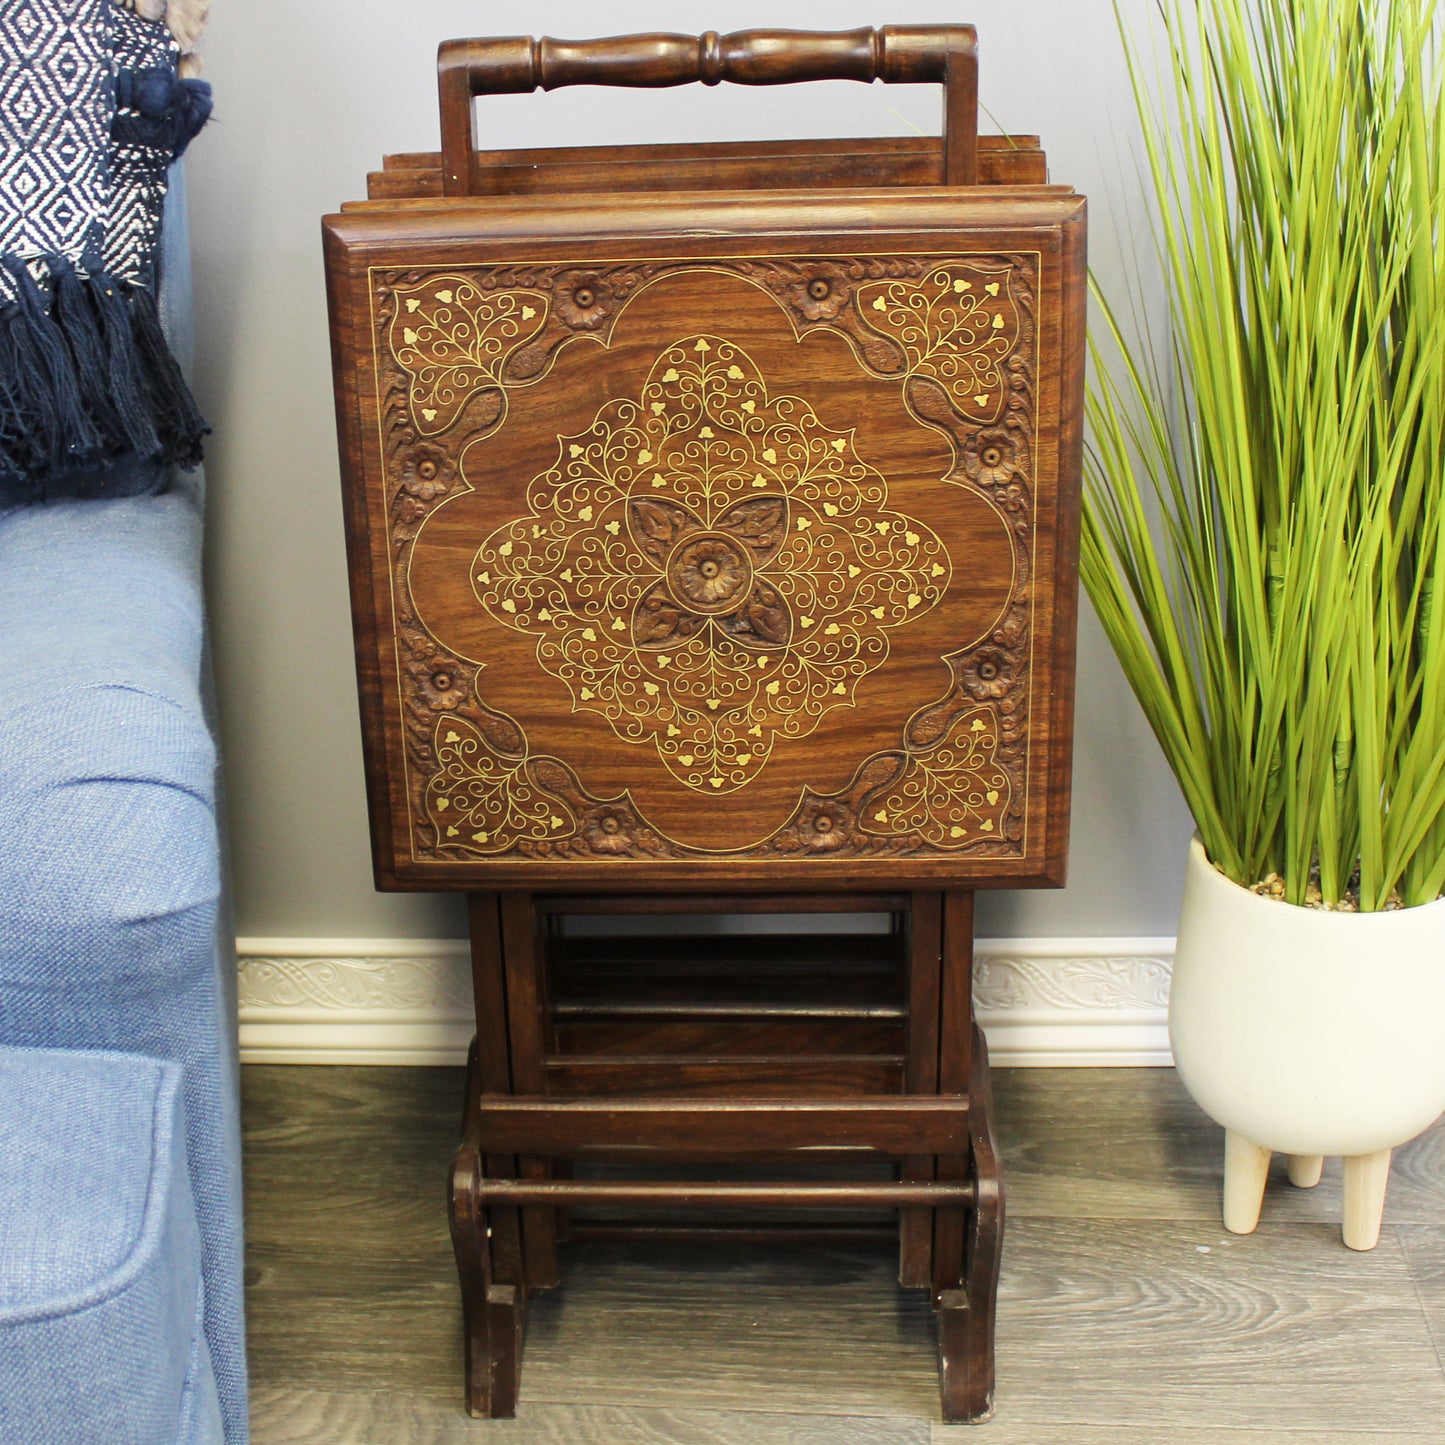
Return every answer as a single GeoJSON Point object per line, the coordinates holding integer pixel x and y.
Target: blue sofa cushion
{"type": "Point", "coordinates": [111, 934]}
{"type": "Point", "coordinates": [101, 1309]}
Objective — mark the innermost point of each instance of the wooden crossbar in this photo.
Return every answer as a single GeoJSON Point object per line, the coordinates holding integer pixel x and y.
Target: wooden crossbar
{"type": "Point", "coordinates": [888, 1124]}
{"type": "Point", "coordinates": [675, 1195]}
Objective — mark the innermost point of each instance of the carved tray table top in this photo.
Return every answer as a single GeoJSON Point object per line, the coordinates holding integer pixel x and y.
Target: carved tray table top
{"type": "Point", "coordinates": [677, 555]}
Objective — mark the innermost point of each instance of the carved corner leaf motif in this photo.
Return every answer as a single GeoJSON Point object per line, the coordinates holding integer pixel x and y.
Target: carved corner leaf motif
{"type": "Point", "coordinates": [951, 794]}
{"type": "Point", "coordinates": [481, 800]}
{"type": "Point", "coordinates": [957, 327]}
{"type": "Point", "coordinates": [452, 340]}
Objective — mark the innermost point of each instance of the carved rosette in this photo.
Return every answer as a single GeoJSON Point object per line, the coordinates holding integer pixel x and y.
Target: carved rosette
{"type": "Point", "coordinates": [692, 570]}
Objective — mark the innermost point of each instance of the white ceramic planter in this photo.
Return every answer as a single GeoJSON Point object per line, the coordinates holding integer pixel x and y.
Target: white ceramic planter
{"type": "Point", "coordinates": [1309, 1033]}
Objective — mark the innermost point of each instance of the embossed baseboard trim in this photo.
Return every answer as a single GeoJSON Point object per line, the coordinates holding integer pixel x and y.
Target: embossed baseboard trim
{"type": "Point", "coordinates": [1042, 1001]}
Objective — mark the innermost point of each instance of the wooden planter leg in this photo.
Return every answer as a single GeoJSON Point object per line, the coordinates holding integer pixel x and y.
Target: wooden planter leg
{"type": "Point", "coordinates": [1305, 1170]}
{"type": "Point", "coordinates": [1246, 1167]}
{"type": "Point", "coordinates": [1366, 1178]}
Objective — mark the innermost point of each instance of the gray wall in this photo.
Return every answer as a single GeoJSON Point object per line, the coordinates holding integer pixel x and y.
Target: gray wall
{"type": "Point", "coordinates": [308, 97]}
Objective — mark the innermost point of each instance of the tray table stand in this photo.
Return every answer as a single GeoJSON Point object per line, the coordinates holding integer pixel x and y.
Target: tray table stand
{"type": "Point", "coordinates": [549, 549]}
{"type": "Point", "coordinates": [683, 1090]}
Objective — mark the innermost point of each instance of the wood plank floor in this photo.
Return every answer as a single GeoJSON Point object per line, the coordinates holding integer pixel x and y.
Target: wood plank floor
{"type": "Point", "coordinates": [1127, 1315]}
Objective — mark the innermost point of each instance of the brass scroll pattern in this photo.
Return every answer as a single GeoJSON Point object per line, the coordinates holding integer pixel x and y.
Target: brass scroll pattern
{"type": "Point", "coordinates": [485, 801]}
{"type": "Point", "coordinates": [452, 339]}
{"type": "Point", "coordinates": [951, 794]}
{"type": "Point", "coordinates": [958, 327]}
{"type": "Point", "coordinates": [452, 343]}
{"type": "Point", "coordinates": [710, 567]}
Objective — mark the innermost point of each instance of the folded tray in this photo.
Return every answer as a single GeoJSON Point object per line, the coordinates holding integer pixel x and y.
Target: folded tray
{"type": "Point", "coordinates": [713, 537]}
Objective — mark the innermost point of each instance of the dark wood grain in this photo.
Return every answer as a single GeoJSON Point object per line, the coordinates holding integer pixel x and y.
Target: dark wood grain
{"type": "Point", "coordinates": [676, 153]}
{"type": "Point", "coordinates": [733, 1038]}
{"type": "Point", "coordinates": [754, 901]}
{"type": "Point", "coordinates": [638, 857]}
{"type": "Point", "coordinates": [527, 1024]}
{"type": "Point", "coordinates": [448, 860]}
{"type": "Point", "coordinates": [742, 1078]}
{"type": "Point", "coordinates": [861, 413]}
{"type": "Point", "coordinates": [921, 932]}
{"type": "Point", "coordinates": [678, 1194]}
{"type": "Point", "coordinates": [728, 165]}
{"type": "Point", "coordinates": [500, 1259]}
{"type": "Point", "coordinates": [889, 1125]}
{"type": "Point", "coordinates": [968, 1368]}
{"type": "Point", "coordinates": [801, 1106]}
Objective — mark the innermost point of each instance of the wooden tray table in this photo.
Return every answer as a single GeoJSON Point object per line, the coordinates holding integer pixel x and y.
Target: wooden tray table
{"type": "Point", "coordinates": [712, 516]}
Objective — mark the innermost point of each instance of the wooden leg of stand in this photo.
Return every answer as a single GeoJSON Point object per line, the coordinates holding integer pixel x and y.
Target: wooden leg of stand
{"type": "Point", "coordinates": [492, 1313]}
{"type": "Point", "coordinates": [955, 1069]}
{"type": "Point", "coordinates": [922, 944]}
{"type": "Point", "coordinates": [488, 1242]}
{"type": "Point", "coordinates": [968, 1245]}
{"type": "Point", "coordinates": [966, 1316]}
{"type": "Point", "coordinates": [490, 1068]}
{"type": "Point", "coordinates": [484, 1075]}
{"type": "Point", "coordinates": [527, 1033]}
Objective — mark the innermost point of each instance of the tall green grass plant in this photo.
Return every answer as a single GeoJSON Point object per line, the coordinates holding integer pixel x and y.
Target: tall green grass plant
{"type": "Point", "coordinates": [1264, 518]}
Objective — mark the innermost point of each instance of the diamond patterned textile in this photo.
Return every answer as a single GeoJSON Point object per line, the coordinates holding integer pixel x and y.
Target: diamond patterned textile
{"type": "Point", "coordinates": [141, 160]}
{"type": "Point", "coordinates": [57, 97]}
{"type": "Point", "coordinates": [93, 112]}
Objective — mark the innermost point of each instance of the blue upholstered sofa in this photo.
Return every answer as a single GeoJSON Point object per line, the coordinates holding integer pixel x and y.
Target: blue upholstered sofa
{"type": "Point", "coordinates": [120, 1221]}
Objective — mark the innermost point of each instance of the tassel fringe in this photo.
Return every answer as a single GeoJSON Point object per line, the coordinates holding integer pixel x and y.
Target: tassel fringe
{"type": "Point", "coordinates": [85, 380]}
{"type": "Point", "coordinates": [156, 108]}
{"type": "Point", "coordinates": [177, 417]}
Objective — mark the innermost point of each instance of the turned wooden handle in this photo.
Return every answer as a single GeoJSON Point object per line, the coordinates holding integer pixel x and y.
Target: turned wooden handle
{"type": "Point", "coordinates": [944, 55]}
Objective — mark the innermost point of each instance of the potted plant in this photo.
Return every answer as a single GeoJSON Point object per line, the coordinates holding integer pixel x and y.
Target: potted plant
{"type": "Point", "coordinates": [1264, 543]}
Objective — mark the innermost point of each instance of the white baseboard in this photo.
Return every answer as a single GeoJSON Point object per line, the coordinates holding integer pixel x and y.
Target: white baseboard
{"type": "Point", "coordinates": [1042, 1001]}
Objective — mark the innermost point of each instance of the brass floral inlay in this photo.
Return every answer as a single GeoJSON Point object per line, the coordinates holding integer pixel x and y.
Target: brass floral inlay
{"type": "Point", "coordinates": [452, 338]}
{"type": "Point", "coordinates": [950, 794]}
{"type": "Point", "coordinates": [484, 801]}
{"type": "Point", "coordinates": [957, 327]}
{"type": "Point", "coordinates": [711, 568]}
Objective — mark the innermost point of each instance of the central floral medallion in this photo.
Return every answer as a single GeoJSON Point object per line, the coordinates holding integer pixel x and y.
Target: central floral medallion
{"type": "Point", "coordinates": [710, 568]}
{"type": "Point", "coordinates": [710, 574]}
